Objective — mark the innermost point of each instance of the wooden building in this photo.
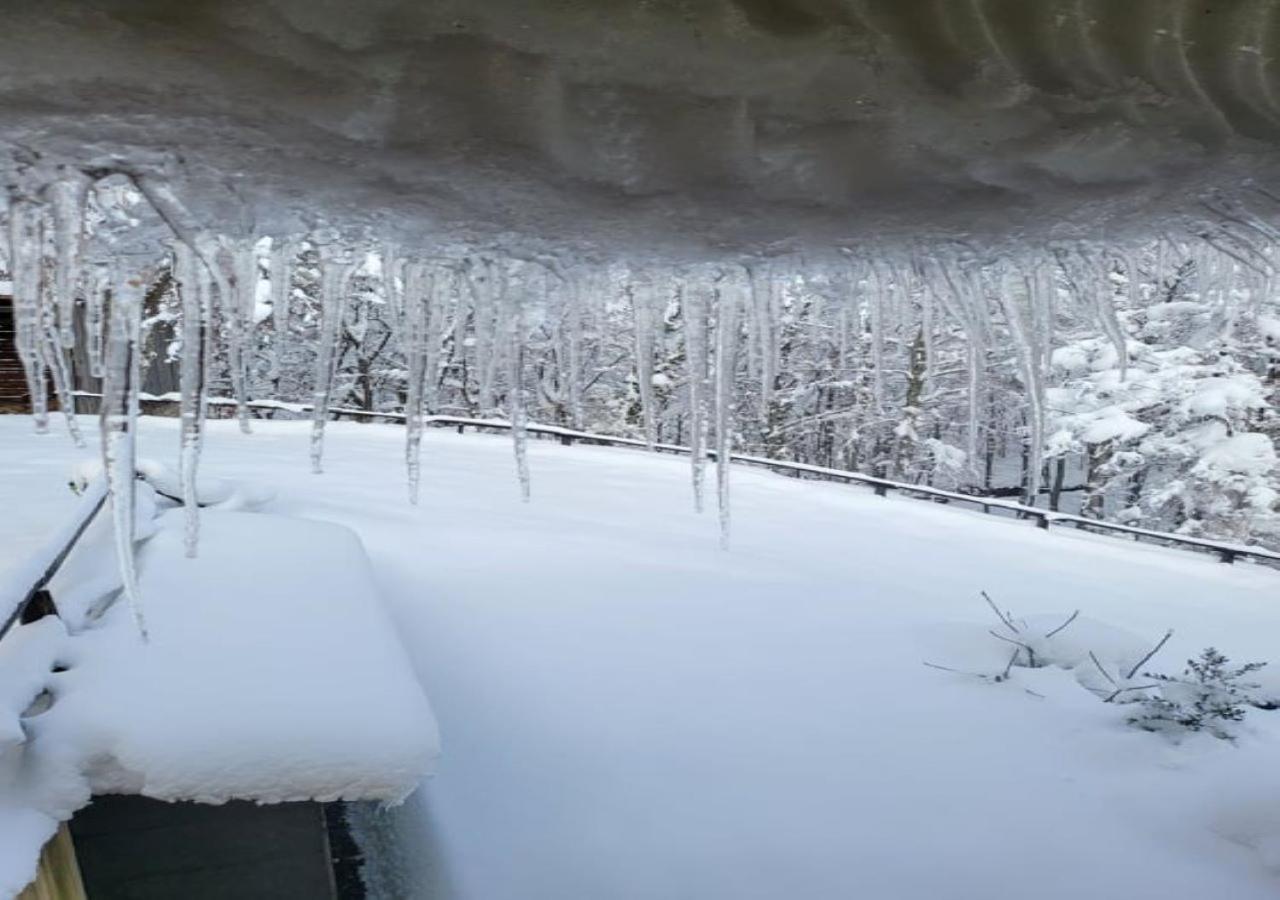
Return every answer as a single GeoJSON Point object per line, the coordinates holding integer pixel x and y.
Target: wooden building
{"type": "Point", "coordinates": [13, 384]}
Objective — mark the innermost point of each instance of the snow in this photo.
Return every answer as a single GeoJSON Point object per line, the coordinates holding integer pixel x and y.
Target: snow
{"type": "Point", "coordinates": [276, 636]}
{"type": "Point", "coordinates": [629, 711]}
{"type": "Point", "coordinates": [1113, 424]}
{"type": "Point", "coordinates": [270, 672]}
{"type": "Point", "coordinates": [1240, 454]}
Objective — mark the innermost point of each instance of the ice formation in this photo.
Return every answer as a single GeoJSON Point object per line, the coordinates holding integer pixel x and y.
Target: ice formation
{"type": "Point", "coordinates": [535, 165]}
{"type": "Point", "coordinates": [488, 301]}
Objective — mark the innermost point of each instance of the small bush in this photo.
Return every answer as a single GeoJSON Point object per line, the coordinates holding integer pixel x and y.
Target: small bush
{"type": "Point", "coordinates": [1209, 696]}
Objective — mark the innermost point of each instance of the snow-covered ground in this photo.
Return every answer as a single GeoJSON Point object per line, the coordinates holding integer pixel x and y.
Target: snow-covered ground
{"type": "Point", "coordinates": [629, 712]}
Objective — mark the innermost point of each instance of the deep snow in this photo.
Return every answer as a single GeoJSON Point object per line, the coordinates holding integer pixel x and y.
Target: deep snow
{"type": "Point", "coordinates": [629, 712]}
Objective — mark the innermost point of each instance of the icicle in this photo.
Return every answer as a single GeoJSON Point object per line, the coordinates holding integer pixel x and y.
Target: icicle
{"type": "Point", "coordinates": [694, 300]}
{"type": "Point", "coordinates": [727, 312]}
{"type": "Point", "coordinates": [515, 382]}
{"type": "Point", "coordinates": [95, 317]}
{"type": "Point", "coordinates": [237, 309]}
{"type": "Point", "coordinates": [67, 197]}
{"type": "Point", "coordinates": [55, 360]}
{"type": "Point", "coordinates": [282, 257]}
{"type": "Point", "coordinates": [574, 316]}
{"type": "Point", "coordinates": [119, 419]}
{"type": "Point", "coordinates": [416, 299]}
{"type": "Point", "coordinates": [483, 291]}
{"type": "Point", "coordinates": [193, 289]}
{"type": "Point", "coordinates": [392, 286]}
{"type": "Point", "coordinates": [26, 260]}
{"type": "Point", "coordinates": [766, 325]}
{"type": "Point", "coordinates": [640, 295]}
{"type": "Point", "coordinates": [335, 274]}
{"type": "Point", "coordinates": [444, 290]}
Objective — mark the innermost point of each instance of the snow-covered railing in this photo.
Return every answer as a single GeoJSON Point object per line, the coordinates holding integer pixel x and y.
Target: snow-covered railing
{"type": "Point", "coordinates": [24, 586]}
{"type": "Point", "coordinates": [1043, 518]}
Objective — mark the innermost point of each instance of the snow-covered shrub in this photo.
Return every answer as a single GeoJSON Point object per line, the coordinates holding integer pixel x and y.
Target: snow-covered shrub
{"type": "Point", "coordinates": [1110, 663]}
{"type": "Point", "coordinates": [1209, 696]}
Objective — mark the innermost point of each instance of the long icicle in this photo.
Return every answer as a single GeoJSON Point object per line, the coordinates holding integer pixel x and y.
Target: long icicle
{"type": "Point", "coordinates": [55, 360]}
{"type": "Point", "coordinates": [238, 304]}
{"type": "Point", "coordinates": [119, 420]}
{"type": "Point", "coordinates": [95, 323]}
{"type": "Point", "coordinates": [282, 257]}
{"type": "Point", "coordinates": [335, 273]}
{"type": "Point", "coordinates": [513, 296]}
{"type": "Point", "coordinates": [574, 288]}
{"type": "Point", "coordinates": [67, 197]}
{"type": "Point", "coordinates": [415, 299]}
{"type": "Point", "coordinates": [642, 316]}
{"type": "Point", "coordinates": [193, 290]}
{"type": "Point", "coordinates": [695, 336]}
{"type": "Point", "coordinates": [728, 308]}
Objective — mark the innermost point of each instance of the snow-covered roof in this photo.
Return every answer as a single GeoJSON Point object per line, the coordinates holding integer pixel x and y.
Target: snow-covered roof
{"type": "Point", "coordinates": [271, 673]}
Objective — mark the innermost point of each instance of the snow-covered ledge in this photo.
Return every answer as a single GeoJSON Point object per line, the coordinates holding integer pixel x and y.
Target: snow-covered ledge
{"type": "Point", "coordinates": [271, 674]}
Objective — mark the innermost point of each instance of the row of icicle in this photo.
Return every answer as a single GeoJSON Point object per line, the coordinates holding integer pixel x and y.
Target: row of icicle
{"type": "Point", "coordinates": [65, 296]}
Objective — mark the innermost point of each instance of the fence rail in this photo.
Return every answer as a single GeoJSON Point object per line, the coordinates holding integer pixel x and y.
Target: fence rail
{"type": "Point", "coordinates": [1042, 518]}
{"type": "Point", "coordinates": [23, 591]}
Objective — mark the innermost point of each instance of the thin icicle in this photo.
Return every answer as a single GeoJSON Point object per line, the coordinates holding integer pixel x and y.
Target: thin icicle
{"type": "Point", "coordinates": [237, 310]}
{"type": "Point", "coordinates": [67, 197]}
{"type": "Point", "coordinates": [513, 296]}
{"type": "Point", "coordinates": [26, 262]}
{"type": "Point", "coordinates": [119, 419]}
{"type": "Point", "coordinates": [444, 291]}
{"type": "Point", "coordinates": [766, 329]}
{"type": "Point", "coordinates": [282, 258]}
{"type": "Point", "coordinates": [727, 312]}
{"type": "Point", "coordinates": [573, 341]}
{"type": "Point", "coordinates": [483, 275]}
{"type": "Point", "coordinates": [335, 274]}
{"type": "Point", "coordinates": [95, 323]}
{"type": "Point", "coordinates": [694, 300]}
{"type": "Point", "coordinates": [640, 295]}
{"type": "Point", "coordinates": [393, 285]}
{"type": "Point", "coordinates": [55, 360]}
{"type": "Point", "coordinates": [416, 299]}
{"type": "Point", "coordinates": [193, 290]}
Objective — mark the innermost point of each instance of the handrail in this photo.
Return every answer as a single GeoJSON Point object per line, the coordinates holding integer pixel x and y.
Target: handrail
{"type": "Point", "coordinates": [1227, 552]}
{"type": "Point", "coordinates": [22, 587]}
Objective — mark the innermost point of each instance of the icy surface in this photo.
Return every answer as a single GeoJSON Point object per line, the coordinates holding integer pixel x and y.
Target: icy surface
{"type": "Point", "coordinates": [631, 712]}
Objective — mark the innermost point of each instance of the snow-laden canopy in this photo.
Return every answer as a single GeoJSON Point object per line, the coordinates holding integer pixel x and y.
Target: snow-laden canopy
{"type": "Point", "coordinates": [728, 123]}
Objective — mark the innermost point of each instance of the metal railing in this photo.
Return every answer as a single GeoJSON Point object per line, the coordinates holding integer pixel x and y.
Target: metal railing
{"type": "Point", "coordinates": [1043, 518]}
{"type": "Point", "coordinates": [23, 591]}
